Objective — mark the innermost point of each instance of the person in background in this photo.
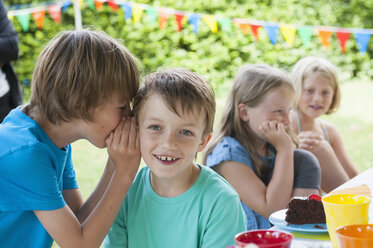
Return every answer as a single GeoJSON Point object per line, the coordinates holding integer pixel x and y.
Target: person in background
{"type": "Point", "coordinates": [316, 83]}
{"type": "Point", "coordinates": [253, 148]}
{"type": "Point", "coordinates": [174, 202]}
{"type": "Point", "coordinates": [82, 87]}
{"type": "Point", "coordinates": [11, 94]}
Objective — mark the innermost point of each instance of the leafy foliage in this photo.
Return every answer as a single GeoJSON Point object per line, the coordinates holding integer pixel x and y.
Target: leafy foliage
{"type": "Point", "coordinates": [216, 56]}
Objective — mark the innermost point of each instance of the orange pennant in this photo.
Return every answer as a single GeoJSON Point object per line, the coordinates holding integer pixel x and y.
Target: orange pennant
{"type": "Point", "coordinates": [244, 28]}
{"type": "Point", "coordinates": [54, 11]}
{"type": "Point", "coordinates": [179, 21]}
{"type": "Point", "coordinates": [98, 4]}
{"type": "Point", "coordinates": [163, 18]}
{"type": "Point", "coordinates": [324, 36]}
{"type": "Point", "coordinates": [343, 38]}
{"type": "Point", "coordinates": [39, 18]}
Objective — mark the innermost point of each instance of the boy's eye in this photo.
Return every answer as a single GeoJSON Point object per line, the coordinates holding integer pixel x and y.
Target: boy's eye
{"type": "Point", "coordinates": [186, 132]}
{"type": "Point", "coordinates": [325, 93]}
{"type": "Point", "coordinates": [154, 127]}
{"type": "Point", "coordinates": [310, 91]}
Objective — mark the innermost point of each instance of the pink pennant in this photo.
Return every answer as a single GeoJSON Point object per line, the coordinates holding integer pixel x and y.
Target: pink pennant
{"type": "Point", "coordinates": [55, 12]}
{"type": "Point", "coordinates": [179, 21]}
{"type": "Point", "coordinates": [343, 38]}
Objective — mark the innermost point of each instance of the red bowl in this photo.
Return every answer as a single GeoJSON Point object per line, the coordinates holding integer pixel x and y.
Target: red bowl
{"type": "Point", "coordinates": [264, 238]}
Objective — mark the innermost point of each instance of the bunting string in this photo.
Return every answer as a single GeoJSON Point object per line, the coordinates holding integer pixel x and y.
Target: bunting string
{"type": "Point", "coordinates": [135, 11]}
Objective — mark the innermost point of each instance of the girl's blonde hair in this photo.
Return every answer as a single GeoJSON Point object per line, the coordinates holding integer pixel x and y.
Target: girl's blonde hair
{"type": "Point", "coordinates": [308, 65]}
{"type": "Point", "coordinates": [250, 86]}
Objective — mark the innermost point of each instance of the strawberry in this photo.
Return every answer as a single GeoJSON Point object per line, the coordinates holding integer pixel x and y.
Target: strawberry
{"type": "Point", "coordinates": [314, 197]}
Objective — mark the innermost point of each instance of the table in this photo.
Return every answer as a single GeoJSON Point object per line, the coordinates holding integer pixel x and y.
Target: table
{"type": "Point", "coordinates": [352, 186]}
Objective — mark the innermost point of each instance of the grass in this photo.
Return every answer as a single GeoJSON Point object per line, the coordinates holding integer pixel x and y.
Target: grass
{"type": "Point", "coordinates": [352, 120]}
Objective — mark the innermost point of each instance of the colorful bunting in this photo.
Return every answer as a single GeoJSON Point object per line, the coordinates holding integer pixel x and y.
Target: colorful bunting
{"type": "Point", "coordinates": [362, 40]}
{"type": "Point", "coordinates": [255, 31]}
{"type": "Point", "coordinates": [272, 31]}
{"type": "Point", "coordinates": [211, 22]}
{"type": "Point", "coordinates": [288, 31]}
{"type": "Point", "coordinates": [135, 10]}
{"type": "Point", "coordinates": [324, 36]}
{"type": "Point", "coordinates": [343, 38]}
{"type": "Point", "coordinates": [305, 34]}
{"type": "Point", "coordinates": [39, 18]}
{"type": "Point", "coordinates": [54, 11]}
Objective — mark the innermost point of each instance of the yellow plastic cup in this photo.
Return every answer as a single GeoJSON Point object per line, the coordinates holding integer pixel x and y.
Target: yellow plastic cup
{"type": "Point", "coordinates": [344, 209]}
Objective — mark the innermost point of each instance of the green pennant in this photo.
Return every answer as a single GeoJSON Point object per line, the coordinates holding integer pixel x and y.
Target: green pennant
{"type": "Point", "coordinates": [91, 4]}
{"type": "Point", "coordinates": [305, 34]}
{"type": "Point", "coordinates": [24, 20]}
{"type": "Point", "coordinates": [226, 24]}
{"type": "Point", "coordinates": [152, 14]}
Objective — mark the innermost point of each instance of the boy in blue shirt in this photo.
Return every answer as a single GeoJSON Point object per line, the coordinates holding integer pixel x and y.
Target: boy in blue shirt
{"type": "Point", "coordinates": [174, 202]}
{"type": "Point", "coordinates": [82, 86]}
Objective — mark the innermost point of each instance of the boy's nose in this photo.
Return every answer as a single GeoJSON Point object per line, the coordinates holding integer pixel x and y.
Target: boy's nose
{"type": "Point", "coordinates": [286, 120]}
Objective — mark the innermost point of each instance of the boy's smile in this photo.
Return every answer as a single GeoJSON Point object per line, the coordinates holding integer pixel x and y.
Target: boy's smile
{"type": "Point", "coordinates": [169, 143]}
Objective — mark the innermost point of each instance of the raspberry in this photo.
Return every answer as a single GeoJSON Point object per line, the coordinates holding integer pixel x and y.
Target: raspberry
{"type": "Point", "coordinates": [314, 197]}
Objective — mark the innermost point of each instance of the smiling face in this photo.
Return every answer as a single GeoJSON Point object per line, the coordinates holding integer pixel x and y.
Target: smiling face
{"type": "Point", "coordinates": [169, 142]}
{"type": "Point", "coordinates": [317, 95]}
{"type": "Point", "coordinates": [275, 107]}
{"type": "Point", "coordinates": [106, 118]}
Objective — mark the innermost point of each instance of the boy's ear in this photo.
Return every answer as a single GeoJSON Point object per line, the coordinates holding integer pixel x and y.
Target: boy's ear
{"type": "Point", "coordinates": [204, 141]}
{"type": "Point", "coordinates": [243, 112]}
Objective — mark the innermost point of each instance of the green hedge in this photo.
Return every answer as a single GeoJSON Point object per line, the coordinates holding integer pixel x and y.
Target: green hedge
{"type": "Point", "coordinates": [216, 56]}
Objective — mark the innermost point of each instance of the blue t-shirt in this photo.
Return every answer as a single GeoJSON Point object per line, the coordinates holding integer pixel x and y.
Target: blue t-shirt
{"type": "Point", "coordinates": [207, 215]}
{"type": "Point", "coordinates": [307, 172]}
{"type": "Point", "coordinates": [33, 174]}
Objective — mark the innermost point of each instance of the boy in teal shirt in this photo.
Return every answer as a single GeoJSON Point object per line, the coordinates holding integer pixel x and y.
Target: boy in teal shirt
{"type": "Point", "coordinates": [174, 202]}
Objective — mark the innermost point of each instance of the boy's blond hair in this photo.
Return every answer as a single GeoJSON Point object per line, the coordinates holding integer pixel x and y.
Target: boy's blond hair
{"type": "Point", "coordinates": [308, 65]}
{"type": "Point", "coordinates": [79, 70]}
{"type": "Point", "coordinates": [180, 88]}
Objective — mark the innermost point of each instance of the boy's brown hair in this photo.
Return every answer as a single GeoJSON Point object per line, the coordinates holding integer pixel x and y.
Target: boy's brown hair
{"type": "Point", "coordinates": [180, 87]}
{"type": "Point", "coordinates": [79, 70]}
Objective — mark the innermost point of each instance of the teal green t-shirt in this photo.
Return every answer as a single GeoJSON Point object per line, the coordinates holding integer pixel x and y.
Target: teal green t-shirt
{"type": "Point", "coordinates": [209, 214]}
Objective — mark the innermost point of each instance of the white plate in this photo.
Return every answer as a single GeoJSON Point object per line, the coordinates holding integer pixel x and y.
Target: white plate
{"type": "Point", "coordinates": [278, 219]}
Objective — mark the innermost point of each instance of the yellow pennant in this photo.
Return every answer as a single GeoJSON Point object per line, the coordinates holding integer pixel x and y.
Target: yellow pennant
{"type": "Point", "coordinates": [210, 20]}
{"type": "Point", "coordinates": [10, 17]}
{"type": "Point", "coordinates": [288, 31]}
{"type": "Point", "coordinates": [137, 13]}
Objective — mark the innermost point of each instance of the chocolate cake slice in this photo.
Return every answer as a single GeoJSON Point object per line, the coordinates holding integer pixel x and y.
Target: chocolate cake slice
{"type": "Point", "coordinates": [305, 211]}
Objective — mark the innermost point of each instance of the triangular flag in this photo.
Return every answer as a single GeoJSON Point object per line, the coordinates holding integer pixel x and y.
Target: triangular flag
{"type": "Point", "coordinates": [324, 36]}
{"type": "Point", "coordinates": [98, 4]}
{"type": "Point", "coordinates": [24, 20]}
{"type": "Point", "coordinates": [193, 20]}
{"type": "Point", "coordinates": [305, 34]}
{"type": "Point", "coordinates": [112, 5]}
{"type": "Point", "coordinates": [91, 4]}
{"type": "Point", "coordinates": [343, 38]}
{"type": "Point", "coordinates": [54, 11]}
{"type": "Point", "coordinates": [137, 12]}
{"type": "Point", "coordinates": [163, 18]}
{"type": "Point", "coordinates": [39, 18]}
{"type": "Point", "coordinates": [152, 14]}
{"type": "Point", "coordinates": [243, 26]}
{"type": "Point", "coordinates": [226, 24]}
{"type": "Point", "coordinates": [254, 30]}
{"type": "Point", "coordinates": [362, 40]}
{"type": "Point", "coordinates": [210, 20]}
{"type": "Point", "coordinates": [66, 4]}
{"type": "Point", "coordinates": [127, 8]}
{"type": "Point", "coordinates": [179, 21]}
{"type": "Point", "coordinates": [288, 31]}
{"type": "Point", "coordinates": [272, 31]}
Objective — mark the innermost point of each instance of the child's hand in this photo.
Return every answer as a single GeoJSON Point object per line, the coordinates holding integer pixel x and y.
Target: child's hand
{"type": "Point", "coordinates": [124, 148]}
{"type": "Point", "coordinates": [310, 140]}
{"type": "Point", "coordinates": [276, 134]}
